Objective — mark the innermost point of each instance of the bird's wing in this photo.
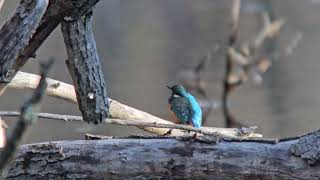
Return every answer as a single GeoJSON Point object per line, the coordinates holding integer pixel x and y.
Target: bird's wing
{"type": "Point", "coordinates": [182, 108]}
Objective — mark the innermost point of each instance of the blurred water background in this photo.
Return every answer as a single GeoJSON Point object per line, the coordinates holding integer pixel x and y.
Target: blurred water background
{"type": "Point", "coordinates": [145, 45]}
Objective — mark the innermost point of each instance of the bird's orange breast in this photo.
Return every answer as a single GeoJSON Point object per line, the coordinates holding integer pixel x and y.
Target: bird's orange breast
{"type": "Point", "coordinates": [174, 118]}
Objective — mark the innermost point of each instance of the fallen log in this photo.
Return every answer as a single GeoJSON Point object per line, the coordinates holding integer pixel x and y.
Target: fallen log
{"type": "Point", "coordinates": [159, 158]}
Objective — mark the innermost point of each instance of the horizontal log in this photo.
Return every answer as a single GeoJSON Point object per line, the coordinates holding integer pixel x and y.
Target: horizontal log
{"type": "Point", "coordinates": [159, 159]}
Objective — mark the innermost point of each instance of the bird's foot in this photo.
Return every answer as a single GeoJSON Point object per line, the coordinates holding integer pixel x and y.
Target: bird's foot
{"type": "Point", "coordinates": [168, 133]}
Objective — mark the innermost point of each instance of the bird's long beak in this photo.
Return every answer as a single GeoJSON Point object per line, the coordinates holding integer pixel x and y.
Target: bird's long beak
{"type": "Point", "coordinates": [169, 87]}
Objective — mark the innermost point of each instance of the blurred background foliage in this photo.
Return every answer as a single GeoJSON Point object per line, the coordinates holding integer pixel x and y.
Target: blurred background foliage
{"type": "Point", "coordinates": [145, 45]}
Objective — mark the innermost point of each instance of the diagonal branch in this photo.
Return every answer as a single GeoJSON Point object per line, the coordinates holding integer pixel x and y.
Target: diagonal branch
{"type": "Point", "coordinates": [269, 30]}
{"type": "Point", "coordinates": [242, 65]}
{"type": "Point", "coordinates": [235, 13]}
{"type": "Point", "coordinates": [27, 117]}
{"type": "Point", "coordinates": [85, 68]}
{"type": "Point", "coordinates": [1, 4]}
{"type": "Point", "coordinates": [16, 32]}
{"type": "Point", "coordinates": [57, 10]}
{"type": "Point", "coordinates": [117, 110]}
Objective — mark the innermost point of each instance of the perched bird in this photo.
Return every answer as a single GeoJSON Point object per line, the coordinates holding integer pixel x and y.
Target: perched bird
{"type": "Point", "coordinates": [184, 107]}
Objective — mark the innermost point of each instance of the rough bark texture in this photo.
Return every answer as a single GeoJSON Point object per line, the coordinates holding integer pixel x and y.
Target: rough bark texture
{"type": "Point", "coordinates": [26, 118]}
{"type": "Point", "coordinates": [308, 148]}
{"type": "Point", "coordinates": [16, 32]}
{"type": "Point", "coordinates": [57, 10]}
{"type": "Point", "coordinates": [85, 69]}
{"type": "Point", "coordinates": [159, 159]}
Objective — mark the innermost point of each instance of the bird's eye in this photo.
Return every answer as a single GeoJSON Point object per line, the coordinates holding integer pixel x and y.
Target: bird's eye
{"type": "Point", "coordinates": [176, 95]}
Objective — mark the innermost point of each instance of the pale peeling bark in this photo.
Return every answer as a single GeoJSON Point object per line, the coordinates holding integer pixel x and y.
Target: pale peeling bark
{"type": "Point", "coordinates": [159, 159]}
{"type": "Point", "coordinates": [1, 4]}
{"type": "Point", "coordinates": [118, 110]}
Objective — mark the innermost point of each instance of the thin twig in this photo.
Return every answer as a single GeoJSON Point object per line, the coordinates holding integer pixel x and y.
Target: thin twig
{"type": "Point", "coordinates": [1, 4]}
{"type": "Point", "coordinates": [235, 12]}
{"type": "Point", "coordinates": [232, 133]}
{"type": "Point", "coordinates": [269, 30]}
{"type": "Point", "coordinates": [27, 117]}
{"type": "Point", "coordinates": [240, 65]}
{"type": "Point", "coordinates": [118, 110]}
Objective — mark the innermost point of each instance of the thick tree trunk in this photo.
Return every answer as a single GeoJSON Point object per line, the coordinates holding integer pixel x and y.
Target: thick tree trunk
{"type": "Point", "coordinates": [85, 69]}
{"type": "Point", "coordinates": [159, 159]}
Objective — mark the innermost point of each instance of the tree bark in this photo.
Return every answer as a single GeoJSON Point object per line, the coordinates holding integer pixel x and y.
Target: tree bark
{"type": "Point", "coordinates": [16, 32]}
{"type": "Point", "coordinates": [85, 69]}
{"type": "Point", "coordinates": [308, 148]}
{"type": "Point", "coordinates": [159, 159]}
{"type": "Point", "coordinates": [26, 119]}
{"type": "Point", "coordinates": [57, 10]}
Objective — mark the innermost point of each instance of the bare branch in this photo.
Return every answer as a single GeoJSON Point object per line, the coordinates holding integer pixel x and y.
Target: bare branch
{"type": "Point", "coordinates": [232, 133]}
{"type": "Point", "coordinates": [229, 119]}
{"type": "Point", "coordinates": [16, 32]}
{"type": "Point", "coordinates": [56, 89]}
{"type": "Point", "coordinates": [240, 65]}
{"type": "Point", "coordinates": [269, 30]}
{"type": "Point", "coordinates": [237, 57]}
{"type": "Point", "coordinates": [85, 68]}
{"type": "Point", "coordinates": [117, 110]}
{"type": "Point", "coordinates": [27, 117]}
{"type": "Point", "coordinates": [1, 4]}
{"type": "Point", "coordinates": [235, 12]}
{"type": "Point", "coordinates": [57, 10]}
{"type": "Point", "coordinates": [294, 42]}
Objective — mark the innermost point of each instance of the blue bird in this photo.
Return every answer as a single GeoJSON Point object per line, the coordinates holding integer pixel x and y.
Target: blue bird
{"type": "Point", "coordinates": [184, 107]}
